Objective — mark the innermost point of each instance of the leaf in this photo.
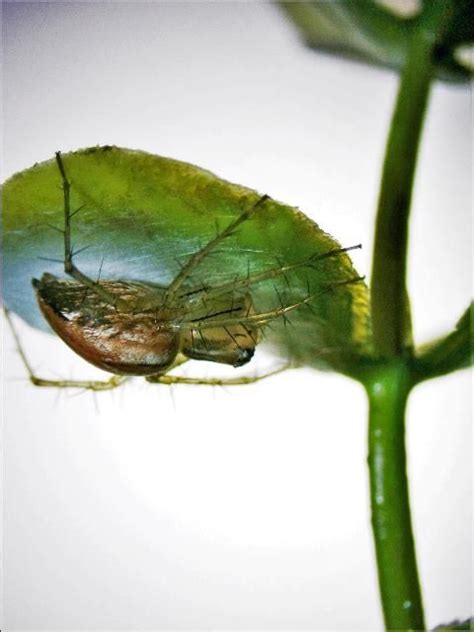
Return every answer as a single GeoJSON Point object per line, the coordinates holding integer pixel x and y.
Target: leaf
{"type": "Point", "coordinates": [143, 216]}
{"type": "Point", "coordinates": [365, 31]}
{"type": "Point", "coordinates": [450, 353]}
{"type": "Point", "coordinates": [460, 28]}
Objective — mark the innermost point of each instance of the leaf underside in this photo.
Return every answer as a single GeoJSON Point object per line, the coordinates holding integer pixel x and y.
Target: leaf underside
{"type": "Point", "coordinates": [144, 215]}
{"type": "Point", "coordinates": [366, 31]}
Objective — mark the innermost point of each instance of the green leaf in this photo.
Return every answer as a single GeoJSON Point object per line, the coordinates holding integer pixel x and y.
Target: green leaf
{"type": "Point", "coordinates": [143, 216]}
{"type": "Point", "coordinates": [450, 353]}
{"type": "Point", "coordinates": [460, 27]}
{"type": "Point", "coordinates": [364, 30]}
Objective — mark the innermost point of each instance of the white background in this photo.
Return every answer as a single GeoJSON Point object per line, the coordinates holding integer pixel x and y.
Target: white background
{"type": "Point", "coordinates": [228, 509]}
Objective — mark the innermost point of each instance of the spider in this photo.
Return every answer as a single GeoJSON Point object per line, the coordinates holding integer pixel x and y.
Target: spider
{"type": "Point", "coordinates": [130, 328]}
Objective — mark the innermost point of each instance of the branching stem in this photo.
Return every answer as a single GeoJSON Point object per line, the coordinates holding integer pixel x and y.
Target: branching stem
{"type": "Point", "coordinates": [389, 383]}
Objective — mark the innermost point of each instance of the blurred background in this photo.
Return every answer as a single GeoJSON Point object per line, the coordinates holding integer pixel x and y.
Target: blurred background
{"type": "Point", "coordinates": [200, 508]}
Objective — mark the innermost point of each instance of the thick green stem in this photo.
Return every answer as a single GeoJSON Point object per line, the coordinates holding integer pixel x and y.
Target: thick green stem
{"type": "Point", "coordinates": [389, 384]}
{"type": "Point", "coordinates": [400, 590]}
{"type": "Point", "coordinates": [390, 306]}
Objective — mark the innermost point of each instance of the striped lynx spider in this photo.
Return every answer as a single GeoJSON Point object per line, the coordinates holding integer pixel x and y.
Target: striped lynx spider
{"type": "Point", "coordinates": [131, 328]}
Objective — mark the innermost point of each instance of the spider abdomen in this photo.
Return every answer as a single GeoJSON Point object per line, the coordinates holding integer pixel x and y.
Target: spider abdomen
{"type": "Point", "coordinates": [125, 343]}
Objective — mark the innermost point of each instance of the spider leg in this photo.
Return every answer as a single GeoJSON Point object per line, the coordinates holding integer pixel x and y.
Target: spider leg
{"type": "Point", "coordinates": [69, 266]}
{"type": "Point", "coordinates": [89, 385]}
{"type": "Point", "coordinates": [198, 256]}
{"type": "Point", "coordinates": [254, 319]}
{"type": "Point", "coordinates": [237, 381]}
{"type": "Point", "coordinates": [203, 294]}
{"type": "Point", "coordinates": [93, 385]}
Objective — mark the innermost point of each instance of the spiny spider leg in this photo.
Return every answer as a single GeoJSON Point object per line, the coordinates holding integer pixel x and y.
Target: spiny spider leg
{"type": "Point", "coordinates": [87, 385]}
{"type": "Point", "coordinates": [92, 385]}
{"type": "Point", "coordinates": [236, 381]}
{"type": "Point", "coordinates": [117, 380]}
{"type": "Point", "coordinates": [69, 266]}
{"type": "Point", "coordinates": [265, 275]}
{"type": "Point", "coordinates": [198, 256]}
{"type": "Point", "coordinates": [257, 320]}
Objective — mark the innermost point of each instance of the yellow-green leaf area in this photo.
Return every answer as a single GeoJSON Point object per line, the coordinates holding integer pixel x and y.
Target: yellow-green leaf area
{"type": "Point", "coordinates": [142, 216]}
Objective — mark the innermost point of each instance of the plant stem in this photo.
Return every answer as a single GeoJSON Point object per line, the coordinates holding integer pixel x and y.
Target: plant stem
{"type": "Point", "coordinates": [391, 523]}
{"type": "Point", "coordinates": [390, 307]}
{"type": "Point", "coordinates": [390, 382]}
